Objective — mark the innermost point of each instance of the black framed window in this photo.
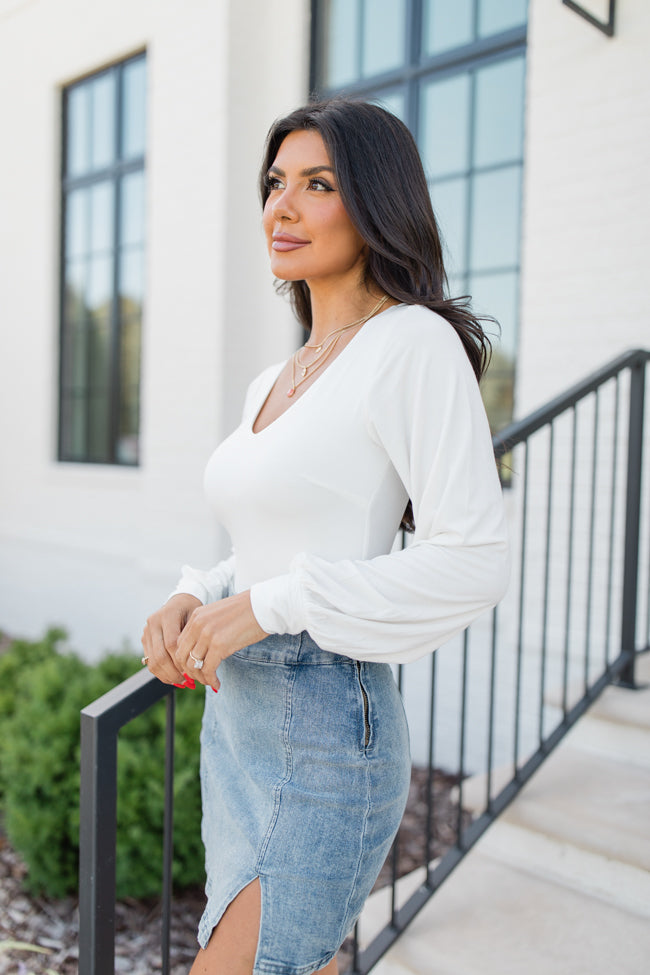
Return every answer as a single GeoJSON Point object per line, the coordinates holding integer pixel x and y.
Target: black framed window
{"type": "Point", "coordinates": [102, 267]}
{"type": "Point", "coordinates": [454, 72]}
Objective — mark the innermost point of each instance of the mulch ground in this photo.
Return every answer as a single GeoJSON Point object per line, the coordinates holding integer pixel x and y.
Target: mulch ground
{"type": "Point", "coordinates": [39, 936]}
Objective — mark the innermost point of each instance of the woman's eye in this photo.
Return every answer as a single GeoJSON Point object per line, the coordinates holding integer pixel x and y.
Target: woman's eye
{"type": "Point", "coordinates": [320, 184]}
{"type": "Point", "coordinates": [273, 183]}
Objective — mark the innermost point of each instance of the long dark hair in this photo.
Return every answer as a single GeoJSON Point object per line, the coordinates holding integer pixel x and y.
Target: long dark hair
{"type": "Point", "coordinates": [384, 190]}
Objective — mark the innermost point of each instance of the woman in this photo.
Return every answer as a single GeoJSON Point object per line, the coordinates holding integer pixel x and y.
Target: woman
{"type": "Point", "coordinates": [376, 419]}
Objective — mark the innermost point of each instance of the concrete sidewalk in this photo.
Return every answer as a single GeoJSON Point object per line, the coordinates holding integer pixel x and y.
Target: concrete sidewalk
{"type": "Point", "coordinates": [560, 884]}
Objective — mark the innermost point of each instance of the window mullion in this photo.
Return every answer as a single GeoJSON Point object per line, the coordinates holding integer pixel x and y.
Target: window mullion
{"type": "Point", "coordinates": [360, 35]}
{"type": "Point", "coordinates": [114, 374]}
{"type": "Point", "coordinates": [471, 135]}
{"type": "Point", "coordinates": [414, 42]}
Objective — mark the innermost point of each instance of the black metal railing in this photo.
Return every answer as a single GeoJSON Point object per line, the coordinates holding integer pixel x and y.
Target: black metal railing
{"type": "Point", "coordinates": [496, 701]}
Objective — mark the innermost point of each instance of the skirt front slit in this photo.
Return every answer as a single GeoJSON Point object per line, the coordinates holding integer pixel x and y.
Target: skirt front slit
{"type": "Point", "coordinates": [305, 772]}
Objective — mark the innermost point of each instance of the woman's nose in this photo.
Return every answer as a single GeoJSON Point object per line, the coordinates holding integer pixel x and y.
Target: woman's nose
{"type": "Point", "coordinates": [283, 205]}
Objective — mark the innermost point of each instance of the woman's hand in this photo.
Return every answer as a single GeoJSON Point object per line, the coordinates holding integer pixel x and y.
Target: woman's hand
{"type": "Point", "coordinates": [214, 632]}
{"type": "Point", "coordinates": [160, 637]}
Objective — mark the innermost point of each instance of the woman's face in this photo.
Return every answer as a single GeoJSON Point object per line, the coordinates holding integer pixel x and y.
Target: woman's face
{"type": "Point", "coordinates": [309, 234]}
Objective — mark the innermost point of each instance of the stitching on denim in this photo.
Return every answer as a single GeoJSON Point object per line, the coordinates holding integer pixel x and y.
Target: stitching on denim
{"type": "Point", "coordinates": [277, 792]}
{"type": "Point", "coordinates": [364, 832]}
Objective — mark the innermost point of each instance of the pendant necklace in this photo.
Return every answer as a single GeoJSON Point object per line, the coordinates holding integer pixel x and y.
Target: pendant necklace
{"type": "Point", "coordinates": [323, 350]}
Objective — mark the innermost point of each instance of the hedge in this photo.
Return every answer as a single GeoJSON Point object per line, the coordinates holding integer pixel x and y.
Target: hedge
{"type": "Point", "coordinates": [42, 691]}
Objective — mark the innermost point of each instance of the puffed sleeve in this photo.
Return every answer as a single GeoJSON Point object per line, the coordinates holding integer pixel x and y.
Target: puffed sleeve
{"type": "Point", "coordinates": [425, 410]}
{"type": "Point", "coordinates": [207, 585]}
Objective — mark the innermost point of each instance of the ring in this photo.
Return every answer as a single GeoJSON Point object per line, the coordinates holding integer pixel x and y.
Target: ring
{"type": "Point", "coordinates": [144, 661]}
{"type": "Point", "coordinates": [197, 663]}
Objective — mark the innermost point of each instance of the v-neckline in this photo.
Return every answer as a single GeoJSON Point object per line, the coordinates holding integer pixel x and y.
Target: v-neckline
{"type": "Point", "coordinates": [316, 382]}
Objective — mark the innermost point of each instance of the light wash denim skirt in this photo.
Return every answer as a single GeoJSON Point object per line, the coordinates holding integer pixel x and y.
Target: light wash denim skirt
{"type": "Point", "coordinates": [305, 771]}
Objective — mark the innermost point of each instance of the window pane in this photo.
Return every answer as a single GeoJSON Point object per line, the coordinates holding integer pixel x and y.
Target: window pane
{"type": "Point", "coordinates": [76, 223]}
{"type": "Point", "coordinates": [444, 124]}
{"type": "Point", "coordinates": [132, 209]}
{"type": "Point", "coordinates": [78, 140]}
{"type": "Point", "coordinates": [75, 288]}
{"type": "Point", "coordinates": [134, 101]}
{"type": "Point", "coordinates": [101, 218]}
{"type": "Point", "coordinates": [497, 389]}
{"type": "Point", "coordinates": [499, 112]}
{"type": "Point", "coordinates": [393, 102]}
{"type": "Point", "coordinates": [74, 358]}
{"type": "Point", "coordinates": [131, 282]}
{"type": "Point", "coordinates": [73, 439]}
{"type": "Point", "coordinates": [99, 416]}
{"type": "Point", "coordinates": [99, 354]}
{"type": "Point", "coordinates": [449, 199]}
{"type": "Point", "coordinates": [99, 287]}
{"type": "Point", "coordinates": [99, 391]}
{"type": "Point", "coordinates": [384, 26]}
{"type": "Point", "coordinates": [498, 295]}
{"type": "Point", "coordinates": [495, 219]}
{"type": "Point", "coordinates": [129, 389]}
{"type": "Point", "coordinates": [447, 25]}
{"type": "Point", "coordinates": [498, 15]}
{"type": "Point", "coordinates": [457, 285]}
{"type": "Point", "coordinates": [340, 42]}
{"type": "Point", "coordinates": [103, 120]}
{"type": "Point", "coordinates": [78, 359]}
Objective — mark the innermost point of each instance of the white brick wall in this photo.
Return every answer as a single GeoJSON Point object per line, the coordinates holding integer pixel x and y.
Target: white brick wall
{"type": "Point", "coordinates": [585, 285]}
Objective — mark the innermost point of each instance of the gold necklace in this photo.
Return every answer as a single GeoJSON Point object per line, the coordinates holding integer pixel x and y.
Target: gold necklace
{"type": "Point", "coordinates": [324, 349]}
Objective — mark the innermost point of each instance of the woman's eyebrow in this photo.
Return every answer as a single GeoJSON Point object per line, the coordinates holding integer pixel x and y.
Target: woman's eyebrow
{"type": "Point", "coordinates": [310, 171]}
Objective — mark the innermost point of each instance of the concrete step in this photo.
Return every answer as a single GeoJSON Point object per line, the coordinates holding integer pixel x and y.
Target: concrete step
{"type": "Point", "coordinates": [490, 918]}
{"type": "Point", "coordinates": [622, 885]}
{"type": "Point", "coordinates": [594, 803]}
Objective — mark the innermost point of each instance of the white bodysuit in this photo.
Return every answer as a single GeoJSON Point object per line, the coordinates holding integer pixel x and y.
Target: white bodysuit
{"type": "Point", "coordinates": [313, 502]}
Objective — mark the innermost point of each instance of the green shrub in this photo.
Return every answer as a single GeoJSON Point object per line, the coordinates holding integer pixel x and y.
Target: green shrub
{"type": "Point", "coordinates": [16, 666]}
{"type": "Point", "coordinates": [39, 771]}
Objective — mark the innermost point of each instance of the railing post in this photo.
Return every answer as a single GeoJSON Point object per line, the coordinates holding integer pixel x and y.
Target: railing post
{"type": "Point", "coordinates": [632, 519]}
{"type": "Point", "coordinates": [97, 838]}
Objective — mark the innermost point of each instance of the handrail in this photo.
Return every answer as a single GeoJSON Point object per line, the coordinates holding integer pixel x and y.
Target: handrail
{"type": "Point", "coordinates": [100, 723]}
{"type": "Point", "coordinates": [552, 457]}
{"type": "Point", "coordinates": [520, 430]}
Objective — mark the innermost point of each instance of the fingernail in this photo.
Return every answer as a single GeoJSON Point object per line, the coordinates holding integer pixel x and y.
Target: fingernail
{"type": "Point", "coordinates": [180, 685]}
{"type": "Point", "coordinates": [216, 690]}
{"type": "Point", "coordinates": [189, 682]}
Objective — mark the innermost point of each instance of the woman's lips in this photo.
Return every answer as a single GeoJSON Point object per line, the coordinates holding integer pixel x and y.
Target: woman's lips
{"type": "Point", "coordinates": [285, 242]}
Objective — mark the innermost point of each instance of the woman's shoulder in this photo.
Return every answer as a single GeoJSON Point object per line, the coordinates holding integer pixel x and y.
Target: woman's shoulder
{"type": "Point", "coordinates": [413, 331]}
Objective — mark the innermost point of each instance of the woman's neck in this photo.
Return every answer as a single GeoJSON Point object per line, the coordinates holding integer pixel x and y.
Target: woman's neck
{"type": "Point", "coordinates": [332, 310]}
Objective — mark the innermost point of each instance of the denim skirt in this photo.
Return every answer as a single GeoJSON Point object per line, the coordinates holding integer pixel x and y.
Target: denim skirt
{"type": "Point", "coordinates": [305, 771]}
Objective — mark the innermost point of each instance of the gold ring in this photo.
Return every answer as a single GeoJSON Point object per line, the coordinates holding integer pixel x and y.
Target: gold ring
{"type": "Point", "coordinates": [144, 661]}
{"type": "Point", "coordinates": [198, 664]}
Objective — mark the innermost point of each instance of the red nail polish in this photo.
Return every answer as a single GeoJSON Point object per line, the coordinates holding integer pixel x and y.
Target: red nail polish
{"type": "Point", "coordinates": [180, 685]}
{"type": "Point", "coordinates": [189, 682]}
{"type": "Point", "coordinates": [216, 690]}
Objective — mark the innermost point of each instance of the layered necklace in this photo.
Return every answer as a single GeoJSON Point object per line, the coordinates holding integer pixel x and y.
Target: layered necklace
{"type": "Point", "coordinates": [323, 350]}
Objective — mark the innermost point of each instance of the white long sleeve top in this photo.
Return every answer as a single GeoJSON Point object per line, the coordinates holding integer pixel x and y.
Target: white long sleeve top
{"type": "Point", "coordinates": [313, 501]}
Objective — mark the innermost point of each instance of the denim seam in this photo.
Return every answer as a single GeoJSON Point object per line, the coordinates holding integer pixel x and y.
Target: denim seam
{"type": "Point", "coordinates": [277, 797]}
{"type": "Point", "coordinates": [343, 931]}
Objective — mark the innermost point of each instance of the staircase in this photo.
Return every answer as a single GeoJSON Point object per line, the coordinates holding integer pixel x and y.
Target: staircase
{"type": "Point", "coordinates": [560, 883]}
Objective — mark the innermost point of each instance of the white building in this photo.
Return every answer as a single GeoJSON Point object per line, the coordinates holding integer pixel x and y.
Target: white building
{"type": "Point", "coordinates": [132, 135]}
